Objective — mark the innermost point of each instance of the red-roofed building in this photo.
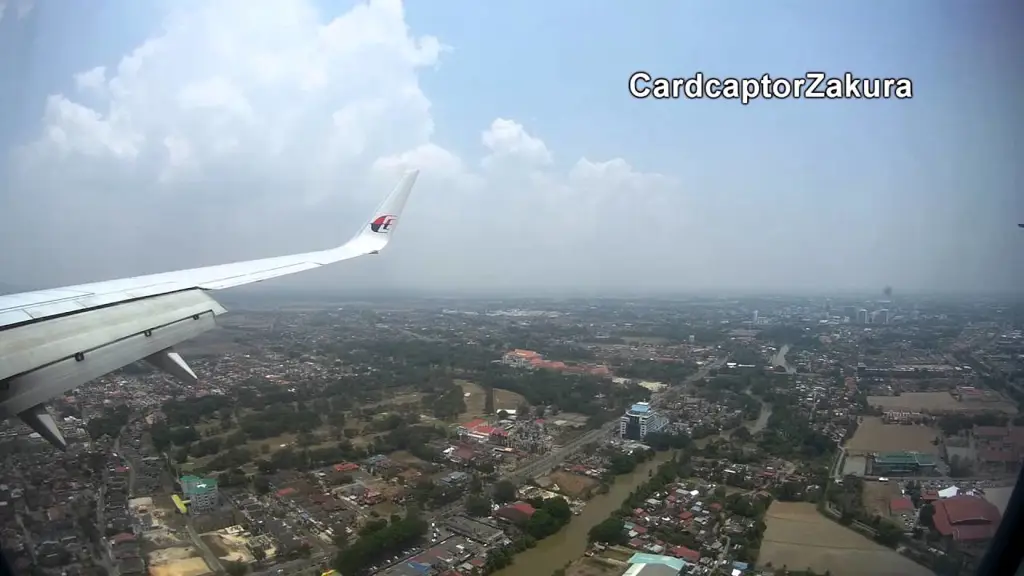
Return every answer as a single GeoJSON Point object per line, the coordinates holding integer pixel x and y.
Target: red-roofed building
{"type": "Point", "coordinates": [346, 467]}
{"type": "Point", "coordinates": [901, 506]}
{"type": "Point", "coordinates": [122, 538]}
{"type": "Point", "coordinates": [685, 553]}
{"type": "Point", "coordinates": [518, 513]}
{"type": "Point", "coordinates": [966, 518]}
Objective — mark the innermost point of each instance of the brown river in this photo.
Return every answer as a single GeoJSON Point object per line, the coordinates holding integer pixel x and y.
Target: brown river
{"type": "Point", "coordinates": [570, 543]}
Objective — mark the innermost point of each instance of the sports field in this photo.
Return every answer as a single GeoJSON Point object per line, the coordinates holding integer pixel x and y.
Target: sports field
{"type": "Point", "coordinates": [875, 436]}
{"type": "Point", "coordinates": [799, 537]}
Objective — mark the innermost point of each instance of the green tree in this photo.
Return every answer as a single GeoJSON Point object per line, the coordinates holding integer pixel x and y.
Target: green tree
{"type": "Point", "coordinates": [504, 491]}
{"type": "Point", "coordinates": [610, 530]}
{"type": "Point", "coordinates": [478, 505]}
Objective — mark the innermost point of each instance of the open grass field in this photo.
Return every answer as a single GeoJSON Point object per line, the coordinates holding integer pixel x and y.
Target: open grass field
{"type": "Point", "coordinates": [875, 436]}
{"type": "Point", "coordinates": [878, 495]}
{"type": "Point", "coordinates": [572, 485]}
{"type": "Point", "coordinates": [798, 537]}
{"type": "Point", "coordinates": [503, 399]}
{"type": "Point", "coordinates": [934, 402]}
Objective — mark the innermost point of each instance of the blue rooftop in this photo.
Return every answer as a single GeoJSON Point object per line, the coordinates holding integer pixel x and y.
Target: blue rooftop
{"type": "Point", "coordinates": [641, 408]}
{"type": "Point", "coordinates": [641, 558]}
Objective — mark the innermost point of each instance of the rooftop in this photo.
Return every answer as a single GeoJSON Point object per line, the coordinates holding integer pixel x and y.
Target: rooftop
{"type": "Point", "coordinates": [640, 408]}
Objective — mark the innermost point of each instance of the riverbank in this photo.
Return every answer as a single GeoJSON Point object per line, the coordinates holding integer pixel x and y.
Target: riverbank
{"type": "Point", "coordinates": [570, 543]}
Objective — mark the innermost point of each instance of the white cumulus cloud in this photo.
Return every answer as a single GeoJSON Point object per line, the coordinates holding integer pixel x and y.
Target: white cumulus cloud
{"type": "Point", "coordinates": [237, 133]}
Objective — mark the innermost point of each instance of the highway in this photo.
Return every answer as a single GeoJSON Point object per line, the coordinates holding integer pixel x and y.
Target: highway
{"type": "Point", "coordinates": [549, 461]}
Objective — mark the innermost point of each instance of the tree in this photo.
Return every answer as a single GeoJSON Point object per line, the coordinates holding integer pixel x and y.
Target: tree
{"type": "Point", "coordinates": [928, 515]}
{"type": "Point", "coordinates": [479, 506]}
{"type": "Point", "coordinates": [888, 533]}
{"type": "Point", "coordinates": [504, 491]}
{"type": "Point", "coordinates": [610, 530]}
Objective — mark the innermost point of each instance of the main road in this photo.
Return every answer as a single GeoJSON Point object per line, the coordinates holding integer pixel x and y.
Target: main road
{"type": "Point", "coordinates": [545, 463]}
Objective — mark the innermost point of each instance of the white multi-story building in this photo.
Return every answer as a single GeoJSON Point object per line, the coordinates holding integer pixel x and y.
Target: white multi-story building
{"type": "Point", "coordinates": [639, 421]}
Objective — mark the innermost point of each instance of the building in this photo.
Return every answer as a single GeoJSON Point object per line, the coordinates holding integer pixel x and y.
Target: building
{"type": "Point", "coordinates": [480, 431]}
{"type": "Point", "coordinates": [521, 358]}
{"type": "Point", "coordinates": [199, 493]}
{"type": "Point", "coordinates": [639, 421]}
{"type": "Point", "coordinates": [862, 316]}
{"type": "Point", "coordinates": [900, 463]}
{"type": "Point", "coordinates": [966, 519]}
{"type": "Point", "coordinates": [880, 317]}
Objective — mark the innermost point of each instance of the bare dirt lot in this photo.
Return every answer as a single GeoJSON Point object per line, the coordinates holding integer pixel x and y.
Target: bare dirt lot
{"type": "Point", "coordinates": [878, 495]}
{"type": "Point", "coordinates": [798, 537]}
{"type": "Point", "coordinates": [503, 399]}
{"type": "Point", "coordinates": [875, 436]}
{"type": "Point", "coordinates": [182, 561]}
{"type": "Point", "coordinates": [596, 567]}
{"type": "Point", "coordinates": [934, 402]}
{"type": "Point", "coordinates": [572, 485]}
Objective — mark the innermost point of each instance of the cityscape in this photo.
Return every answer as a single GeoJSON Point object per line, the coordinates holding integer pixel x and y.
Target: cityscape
{"type": "Point", "coordinates": [579, 437]}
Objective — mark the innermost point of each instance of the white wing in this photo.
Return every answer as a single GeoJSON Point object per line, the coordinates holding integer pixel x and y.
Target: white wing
{"type": "Point", "coordinates": [52, 341]}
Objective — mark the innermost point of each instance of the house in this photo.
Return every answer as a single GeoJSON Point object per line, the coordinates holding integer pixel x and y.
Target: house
{"type": "Point", "coordinates": [518, 513]}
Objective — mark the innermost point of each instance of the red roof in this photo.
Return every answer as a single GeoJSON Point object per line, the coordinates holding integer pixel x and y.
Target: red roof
{"type": "Point", "coordinates": [685, 553]}
{"type": "Point", "coordinates": [966, 518]}
{"type": "Point", "coordinates": [286, 491]}
{"type": "Point", "coordinates": [524, 507]}
{"type": "Point", "coordinates": [122, 538]}
{"type": "Point", "coordinates": [346, 466]}
{"type": "Point", "coordinates": [901, 505]}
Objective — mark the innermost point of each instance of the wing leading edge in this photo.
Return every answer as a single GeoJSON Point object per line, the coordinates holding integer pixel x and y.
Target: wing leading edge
{"type": "Point", "coordinates": [370, 239]}
{"type": "Point", "coordinates": [52, 341]}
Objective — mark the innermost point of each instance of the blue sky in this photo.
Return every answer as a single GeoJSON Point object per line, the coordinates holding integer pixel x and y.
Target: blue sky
{"type": "Point", "coordinates": [934, 173]}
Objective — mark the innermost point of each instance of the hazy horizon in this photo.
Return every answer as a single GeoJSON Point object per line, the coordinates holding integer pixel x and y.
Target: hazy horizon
{"type": "Point", "coordinates": [162, 136]}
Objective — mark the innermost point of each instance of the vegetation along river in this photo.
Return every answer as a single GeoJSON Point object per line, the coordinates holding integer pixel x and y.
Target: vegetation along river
{"type": "Point", "coordinates": [570, 543]}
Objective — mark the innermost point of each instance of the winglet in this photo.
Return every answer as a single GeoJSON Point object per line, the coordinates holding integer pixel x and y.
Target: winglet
{"type": "Point", "coordinates": [385, 219]}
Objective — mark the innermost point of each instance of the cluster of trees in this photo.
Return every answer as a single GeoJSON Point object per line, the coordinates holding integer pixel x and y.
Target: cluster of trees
{"type": "Point", "coordinates": [661, 441]}
{"type": "Point", "coordinates": [588, 395]}
{"type": "Point", "coordinates": [621, 463]}
{"type": "Point", "coordinates": [668, 372]}
{"type": "Point", "coordinates": [953, 424]}
{"type": "Point", "coordinates": [611, 530]}
{"type": "Point", "coordinates": [548, 518]}
{"type": "Point", "coordinates": [848, 499]}
{"type": "Point", "coordinates": [731, 391]}
{"type": "Point", "coordinates": [109, 423]}
{"type": "Point", "coordinates": [378, 540]}
{"type": "Point", "coordinates": [789, 433]}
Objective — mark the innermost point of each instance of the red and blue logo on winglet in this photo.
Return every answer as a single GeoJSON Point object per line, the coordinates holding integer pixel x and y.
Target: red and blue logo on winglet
{"type": "Point", "coordinates": [382, 224]}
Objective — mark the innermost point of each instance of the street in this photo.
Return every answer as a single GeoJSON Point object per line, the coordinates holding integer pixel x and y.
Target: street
{"type": "Point", "coordinates": [208, 556]}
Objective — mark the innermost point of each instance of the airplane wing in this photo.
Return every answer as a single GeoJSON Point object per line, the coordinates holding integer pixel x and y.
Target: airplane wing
{"type": "Point", "coordinates": [52, 341]}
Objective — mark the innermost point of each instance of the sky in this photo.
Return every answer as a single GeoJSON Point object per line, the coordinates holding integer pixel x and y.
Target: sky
{"type": "Point", "coordinates": [150, 136]}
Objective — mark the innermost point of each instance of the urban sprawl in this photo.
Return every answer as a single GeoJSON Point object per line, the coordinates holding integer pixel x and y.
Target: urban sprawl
{"type": "Point", "coordinates": [705, 436]}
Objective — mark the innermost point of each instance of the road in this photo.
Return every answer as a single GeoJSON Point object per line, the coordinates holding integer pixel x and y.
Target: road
{"type": "Point", "coordinates": [549, 461]}
{"type": "Point", "coordinates": [208, 556]}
